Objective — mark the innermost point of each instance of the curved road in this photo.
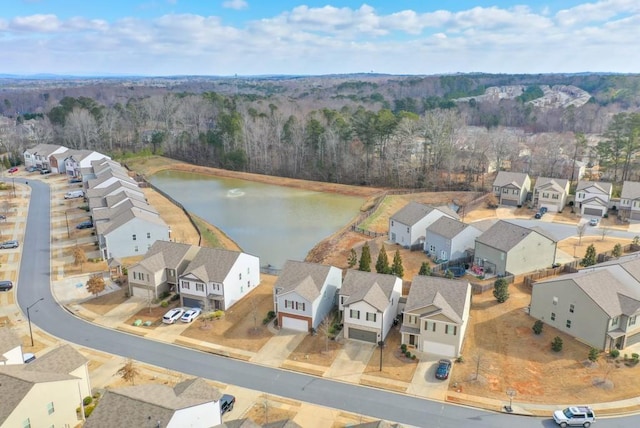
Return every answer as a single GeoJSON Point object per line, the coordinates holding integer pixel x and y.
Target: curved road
{"type": "Point", "coordinates": [34, 282]}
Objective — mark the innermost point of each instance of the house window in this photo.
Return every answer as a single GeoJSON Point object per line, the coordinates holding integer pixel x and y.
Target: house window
{"type": "Point", "coordinates": [240, 277]}
{"type": "Point", "coordinates": [450, 329]}
{"type": "Point", "coordinates": [342, 299]}
{"type": "Point", "coordinates": [614, 321]}
{"type": "Point", "coordinates": [632, 320]}
{"type": "Point", "coordinates": [148, 235]}
{"type": "Point", "coordinates": [515, 192]}
{"type": "Point", "coordinates": [568, 324]}
{"type": "Point", "coordinates": [391, 222]}
{"type": "Point", "coordinates": [248, 284]}
{"type": "Point", "coordinates": [553, 316]}
{"type": "Point", "coordinates": [199, 287]}
{"type": "Point", "coordinates": [580, 195]}
{"type": "Point", "coordinates": [354, 314]}
{"type": "Point", "coordinates": [555, 300]}
{"type": "Point", "coordinates": [371, 316]}
{"type": "Point", "coordinates": [545, 195]}
{"type": "Point", "coordinates": [571, 308]}
{"type": "Point", "coordinates": [134, 237]}
{"type": "Point", "coordinates": [407, 230]}
{"type": "Point", "coordinates": [428, 324]}
{"type": "Point", "coordinates": [135, 248]}
{"type": "Point", "coordinates": [555, 196]}
{"type": "Point", "coordinates": [148, 247]}
{"type": "Point", "coordinates": [50, 408]}
{"type": "Point", "coordinates": [186, 285]}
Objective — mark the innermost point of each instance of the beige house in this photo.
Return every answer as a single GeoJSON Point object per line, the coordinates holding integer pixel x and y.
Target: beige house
{"type": "Point", "coordinates": [368, 303]}
{"type": "Point", "coordinates": [191, 403]}
{"type": "Point", "coordinates": [592, 198]}
{"type": "Point", "coordinates": [551, 193]}
{"type": "Point", "coordinates": [436, 315]}
{"type": "Point", "coordinates": [45, 392]}
{"type": "Point", "coordinates": [508, 248]}
{"type": "Point", "coordinates": [511, 188]}
{"type": "Point", "coordinates": [630, 200]}
{"type": "Point", "coordinates": [599, 306]}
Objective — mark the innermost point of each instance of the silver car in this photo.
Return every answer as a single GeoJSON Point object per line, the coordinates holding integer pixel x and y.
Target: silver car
{"type": "Point", "coordinates": [9, 244]}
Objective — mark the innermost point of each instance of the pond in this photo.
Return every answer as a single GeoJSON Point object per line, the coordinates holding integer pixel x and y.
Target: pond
{"type": "Point", "coordinates": [275, 223]}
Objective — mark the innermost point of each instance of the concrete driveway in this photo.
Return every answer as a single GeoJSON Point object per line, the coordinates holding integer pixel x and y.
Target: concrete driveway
{"type": "Point", "coordinates": [424, 381]}
{"type": "Point", "coordinates": [351, 361]}
{"type": "Point", "coordinates": [278, 348]}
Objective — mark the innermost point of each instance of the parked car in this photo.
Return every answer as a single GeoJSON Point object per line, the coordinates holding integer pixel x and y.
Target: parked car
{"type": "Point", "coordinates": [582, 416]}
{"type": "Point", "coordinates": [539, 214]}
{"type": "Point", "coordinates": [543, 210]}
{"type": "Point", "coordinates": [31, 169]}
{"type": "Point", "coordinates": [226, 403]}
{"type": "Point", "coordinates": [172, 316]}
{"type": "Point", "coordinates": [6, 285]}
{"type": "Point", "coordinates": [74, 194]}
{"type": "Point", "coordinates": [190, 315]}
{"type": "Point", "coordinates": [13, 169]}
{"type": "Point", "coordinates": [28, 357]}
{"type": "Point", "coordinates": [85, 225]}
{"type": "Point", "coordinates": [45, 171]}
{"type": "Point", "coordinates": [594, 222]}
{"type": "Point", "coordinates": [443, 369]}
{"type": "Point", "coordinates": [75, 180]}
{"type": "Point", "coordinates": [9, 244]}
{"type": "Point", "coordinates": [3, 217]}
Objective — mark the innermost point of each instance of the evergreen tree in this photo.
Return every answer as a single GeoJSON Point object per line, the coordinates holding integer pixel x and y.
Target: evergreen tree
{"type": "Point", "coordinates": [425, 269]}
{"type": "Point", "coordinates": [617, 250]}
{"type": "Point", "coordinates": [365, 259]}
{"type": "Point", "coordinates": [501, 290]}
{"type": "Point", "coordinates": [382, 264]}
{"type": "Point", "coordinates": [397, 269]}
{"type": "Point", "coordinates": [353, 258]}
{"type": "Point", "coordinates": [589, 256]}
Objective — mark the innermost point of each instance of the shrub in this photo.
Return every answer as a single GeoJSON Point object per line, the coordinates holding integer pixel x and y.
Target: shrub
{"type": "Point", "coordinates": [614, 353]}
{"type": "Point", "coordinates": [87, 400]}
{"type": "Point", "coordinates": [501, 290]}
{"type": "Point", "coordinates": [556, 344]}
{"type": "Point", "coordinates": [164, 295]}
{"type": "Point", "coordinates": [218, 314]}
{"type": "Point", "coordinates": [407, 354]}
{"type": "Point", "coordinates": [606, 215]}
{"type": "Point", "coordinates": [593, 355]}
{"type": "Point", "coordinates": [635, 357]}
{"type": "Point", "coordinates": [164, 304]}
{"type": "Point", "coordinates": [413, 357]}
{"type": "Point", "coordinates": [460, 359]}
{"type": "Point", "coordinates": [537, 327]}
{"type": "Point", "coordinates": [175, 297]}
{"type": "Point", "coordinates": [271, 314]}
{"type": "Point", "coordinates": [403, 347]}
{"type": "Point", "coordinates": [266, 321]}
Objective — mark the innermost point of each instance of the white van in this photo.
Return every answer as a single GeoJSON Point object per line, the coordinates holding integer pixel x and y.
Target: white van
{"type": "Point", "coordinates": [74, 194]}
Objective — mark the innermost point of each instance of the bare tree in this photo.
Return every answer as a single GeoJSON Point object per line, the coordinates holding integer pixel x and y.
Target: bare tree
{"type": "Point", "coordinates": [604, 231]}
{"type": "Point", "coordinates": [580, 231]}
{"type": "Point", "coordinates": [129, 372]}
{"type": "Point", "coordinates": [79, 256]}
{"type": "Point", "coordinates": [96, 284]}
{"type": "Point", "coordinates": [325, 328]}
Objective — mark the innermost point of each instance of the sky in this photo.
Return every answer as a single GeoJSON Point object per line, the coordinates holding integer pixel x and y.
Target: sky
{"type": "Point", "coordinates": [298, 37]}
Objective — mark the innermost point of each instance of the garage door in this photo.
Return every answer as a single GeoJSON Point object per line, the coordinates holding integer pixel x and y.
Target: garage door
{"type": "Point", "coordinates": [439, 349]}
{"type": "Point", "coordinates": [635, 215]}
{"type": "Point", "coordinates": [510, 202]}
{"type": "Point", "coordinates": [593, 211]}
{"type": "Point", "coordinates": [632, 340]}
{"type": "Point", "coordinates": [295, 324]}
{"type": "Point", "coordinates": [550, 207]}
{"type": "Point", "coordinates": [365, 336]}
{"type": "Point", "coordinates": [188, 302]}
{"type": "Point", "coordinates": [140, 291]}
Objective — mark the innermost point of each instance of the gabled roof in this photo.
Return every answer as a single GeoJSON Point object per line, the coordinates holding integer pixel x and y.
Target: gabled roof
{"type": "Point", "coordinates": [212, 264]}
{"type": "Point", "coordinates": [109, 211]}
{"type": "Point", "coordinates": [446, 295]}
{"type": "Point", "coordinates": [447, 227]}
{"type": "Point", "coordinates": [46, 150]}
{"type": "Point", "coordinates": [126, 216]}
{"type": "Point", "coordinates": [505, 178]}
{"type": "Point", "coordinates": [595, 200]}
{"type": "Point", "coordinates": [164, 255]}
{"type": "Point", "coordinates": [306, 279]}
{"type": "Point", "coordinates": [598, 187]}
{"type": "Point", "coordinates": [93, 183]}
{"type": "Point", "coordinates": [630, 190]}
{"type": "Point", "coordinates": [135, 406]}
{"type": "Point", "coordinates": [9, 340]}
{"type": "Point", "coordinates": [555, 184]}
{"type": "Point", "coordinates": [504, 236]}
{"type": "Point", "coordinates": [118, 185]}
{"type": "Point", "coordinates": [105, 164]}
{"type": "Point", "coordinates": [374, 288]}
{"type": "Point", "coordinates": [413, 212]}
{"type": "Point", "coordinates": [63, 359]}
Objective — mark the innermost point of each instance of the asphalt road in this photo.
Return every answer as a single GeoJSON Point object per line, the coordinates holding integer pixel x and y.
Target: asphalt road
{"type": "Point", "coordinates": [34, 282]}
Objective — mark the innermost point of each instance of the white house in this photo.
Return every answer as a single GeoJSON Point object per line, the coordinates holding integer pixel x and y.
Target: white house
{"type": "Point", "coordinates": [407, 226]}
{"type": "Point", "coordinates": [511, 188]}
{"type": "Point", "coordinates": [368, 303]}
{"type": "Point", "coordinates": [216, 279]}
{"type": "Point", "coordinates": [78, 162]}
{"type": "Point", "coordinates": [592, 198]}
{"type": "Point", "coordinates": [450, 239]}
{"type": "Point", "coordinates": [551, 193]}
{"type": "Point", "coordinates": [38, 156]}
{"type": "Point", "coordinates": [630, 200]}
{"type": "Point", "coordinates": [304, 294]}
{"type": "Point", "coordinates": [108, 178]}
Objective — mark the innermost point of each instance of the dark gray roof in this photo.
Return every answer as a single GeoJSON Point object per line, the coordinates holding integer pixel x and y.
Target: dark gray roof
{"type": "Point", "coordinates": [63, 359]}
{"type": "Point", "coordinates": [8, 340]}
{"type": "Point", "coordinates": [413, 212]}
{"type": "Point", "coordinates": [504, 236]}
{"type": "Point", "coordinates": [556, 184]}
{"type": "Point", "coordinates": [165, 255]}
{"type": "Point", "coordinates": [630, 190]}
{"type": "Point", "coordinates": [448, 295]}
{"type": "Point", "coordinates": [374, 288]}
{"type": "Point", "coordinates": [304, 278]}
{"type": "Point", "coordinates": [599, 185]}
{"type": "Point", "coordinates": [447, 227]}
{"type": "Point", "coordinates": [505, 178]}
{"type": "Point", "coordinates": [212, 264]}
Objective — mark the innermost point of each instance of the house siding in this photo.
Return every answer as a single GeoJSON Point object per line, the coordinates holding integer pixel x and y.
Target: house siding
{"type": "Point", "coordinates": [532, 253]}
{"type": "Point", "coordinates": [456, 248]}
{"type": "Point", "coordinates": [417, 231]}
{"type": "Point", "coordinates": [119, 242]}
{"type": "Point", "coordinates": [489, 254]}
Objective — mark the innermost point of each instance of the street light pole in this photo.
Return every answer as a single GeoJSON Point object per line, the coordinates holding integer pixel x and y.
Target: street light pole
{"type": "Point", "coordinates": [29, 317]}
{"type": "Point", "coordinates": [13, 180]}
{"type": "Point", "coordinates": [67, 220]}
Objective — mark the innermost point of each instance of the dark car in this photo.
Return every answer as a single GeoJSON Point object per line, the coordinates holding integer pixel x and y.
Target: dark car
{"type": "Point", "coordinates": [6, 285]}
{"type": "Point", "coordinates": [444, 367]}
{"type": "Point", "coordinates": [9, 244]}
{"type": "Point", "coordinates": [539, 214]}
{"type": "Point", "coordinates": [85, 225]}
{"type": "Point", "coordinates": [75, 180]}
{"type": "Point", "coordinates": [226, 403]}
{"type": "Point", "coordinates": [45, 171]}
{"type": "Point", "coordinates": [543, 210]}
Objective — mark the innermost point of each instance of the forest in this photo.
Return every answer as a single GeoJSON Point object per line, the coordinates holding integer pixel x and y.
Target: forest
{"type": "Point", "coordinates": [395, 131]}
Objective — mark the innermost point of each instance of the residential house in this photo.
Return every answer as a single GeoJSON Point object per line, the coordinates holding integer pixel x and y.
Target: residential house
{"type": "Point", "coordinates": [217, 279]}
{"type": "Point", "coordinates": [511, 188]}
{"type": "Point", "coordinates": [592, 198]}
{"type": "Point", "coordinates": [599, 306]}
{"type": "Point", "coordinates": [508, 248]}
{"type": "Point", "coordinates": [450, 239]}
{"type": "Point", "coordinates": [10, 347]}
{"type": "Point", "coordinates": [108, 178]}
{"type": "Point", "coordinates": [160, 269]}
{"type": "Point", "coordinates": [45, 392]}
{"type": "Point", "coordinates": [304, 294]}
{"type": "Point", "coordinates": [368, 304]}
{"type": "Point", "coordinates": [78, 162]}
{"type": "Point", "coordinates": [436, 315]}
{"type": "Point", "coordinates": [96, 197]}
{"type": "Point", "coordinates": [130, 233]}
{"type": "Point", "coordinates": [191, 403]}
{"type": "Point", "coordinates": [551, 193]}
{"type": "Point", "coordinates": [630, 200]}
{"type": "Point", "coordinates": [407, 226]}
{"type": "Point", "coordinates": [38, 156]}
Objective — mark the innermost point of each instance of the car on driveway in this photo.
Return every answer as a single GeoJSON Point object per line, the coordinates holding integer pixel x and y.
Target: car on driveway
{"type": "Point", "coordinates": [6, 285]}
{"type": "Point", "coordinates": [172, 316]}
{"type": "Point", "coordinates": [543, 210]}
{"type": "Point", "coordinates": [85, 225]}
{"type": "Point", "coordinates": [9, 244]}
{"type": "Point", "coordinates": [226, 403]}
{"type": "Point", "coordinates": [12, 170]}
{"type": "Point", "coordinates": [539, 214]}
{"type": "Point", "coordinates": [594, 222]}
{"type": "Point", "coordinates": [580, 416]}
{"type": "Point", "coordinates": [190, 315]}
{"type": "Point", "coordinates": [443, 369]}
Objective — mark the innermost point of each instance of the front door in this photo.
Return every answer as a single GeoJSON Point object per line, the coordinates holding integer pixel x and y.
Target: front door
{"type": "Point", "coordinates": [412, 340]}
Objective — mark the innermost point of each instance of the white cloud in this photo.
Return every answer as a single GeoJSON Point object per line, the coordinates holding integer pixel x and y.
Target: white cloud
{"type": "Point", "coordinates": [235, 4]}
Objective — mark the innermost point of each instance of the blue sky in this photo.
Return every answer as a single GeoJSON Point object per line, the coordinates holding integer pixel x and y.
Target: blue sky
{"type": "Point", "coordinates": [255, 37]}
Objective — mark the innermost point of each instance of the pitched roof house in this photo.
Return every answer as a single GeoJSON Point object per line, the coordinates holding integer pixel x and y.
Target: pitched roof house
{"type": "Point", "coordinates": [304, 294]}
{"type": "Point", "coordinates": [551, 193]}
{"type": "Point", "coordinates": [436, 315]}
{"type": "Point", "coordinates": [10, 347]}
{"type": "Point", "coordinates": [191, 403]}
{"type": "Point", "coordinates": [511, 188]}
{"type": "Point", "coordinates": [38, 156]}
{"type": "Point", "coordinates": [408, 225]}
{"type": "Point", "coordinates": [450, 239]}
{"type": "Point", "coordinates": [368, 303]}
{"type": "Point", "coordinates": [630, 200]}
{"type": "Point", "coordinates": [508, 248]}
{"type": "Point", "coordinates": [593, 197]}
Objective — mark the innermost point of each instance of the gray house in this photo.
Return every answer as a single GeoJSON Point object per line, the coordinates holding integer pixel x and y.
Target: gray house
{"type": "Point", "coordinates": [599, 306]}
{"type": "Point", "coordinates": [511, 188]}
{"type": "Point", "coordinates": [593, 197]}
{"type": "Point", "coordinates": [407, 226]}
{"type": "Point", "coordinates": [507, 247]}
{"type": "Point", "coordinates": [450, 239]}
{"type": "Point", "coordinates": [436, 315]}
{"type": "Point", "coordinates": [630, 200]}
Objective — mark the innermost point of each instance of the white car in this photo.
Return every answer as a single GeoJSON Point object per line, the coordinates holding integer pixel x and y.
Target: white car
{"type": "Point", "coordinates": [582, 416]}
{"type": "Point", "coordinates": [172, 316]}
{"type": "Point", "coordinates": [593, 222]}
{"type": "Point", "coordinates": [190, 315]}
